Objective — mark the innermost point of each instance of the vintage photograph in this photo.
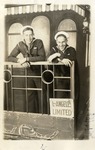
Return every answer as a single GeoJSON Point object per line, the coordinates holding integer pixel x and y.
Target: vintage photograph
{"type": "Point", "coordinates": [46, 71]}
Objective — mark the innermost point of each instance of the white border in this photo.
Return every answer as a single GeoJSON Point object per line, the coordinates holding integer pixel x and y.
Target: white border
{"type": "Point", "coordinates": [50, 145]}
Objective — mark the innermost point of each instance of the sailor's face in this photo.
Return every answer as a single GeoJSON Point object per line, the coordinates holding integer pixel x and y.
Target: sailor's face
{"type": "Point", "coordinates": [61, 42]}
{"type": "Point", "coordinates": [28, 36]}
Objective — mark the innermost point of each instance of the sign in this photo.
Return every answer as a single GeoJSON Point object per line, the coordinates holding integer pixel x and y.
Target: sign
{"type": "Point", "coordinates": [60, 107]}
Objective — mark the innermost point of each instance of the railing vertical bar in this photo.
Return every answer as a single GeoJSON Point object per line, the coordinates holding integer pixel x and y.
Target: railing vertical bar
{"type": "Point", "coordinates": [72, 81]}
{"type": "Point", "coordinates": [47, 98]}
{"type": "Point", "coordinates": [6, 86]}
{"type": "Point", "coordinates": [12, 97]}
{"type": "Point", "coordinates": [26, 98]}
{"type": "Point", "coordinates": [53, 83]}
{"type": "Point", "coordinates": [41, 93]}
{"type": "Point", "coordinates": [47, 94]}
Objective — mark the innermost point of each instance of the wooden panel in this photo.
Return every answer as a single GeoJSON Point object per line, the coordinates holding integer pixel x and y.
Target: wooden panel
{"type": "Point", "coordinates": [18, 125]}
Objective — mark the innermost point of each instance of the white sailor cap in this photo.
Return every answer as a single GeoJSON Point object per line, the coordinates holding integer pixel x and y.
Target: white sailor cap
{"type": "Point", "coordinates": [65, 34]}
{"type": "Point", "coordinates": [24, 28]}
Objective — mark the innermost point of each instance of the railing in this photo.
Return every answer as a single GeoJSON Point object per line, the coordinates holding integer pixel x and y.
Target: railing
{"type": "Point", "coordinates": [40, 80]}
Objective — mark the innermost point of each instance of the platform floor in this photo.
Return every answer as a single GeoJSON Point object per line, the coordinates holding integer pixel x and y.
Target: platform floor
{"type": "Point", "coordinates": [18, 125]}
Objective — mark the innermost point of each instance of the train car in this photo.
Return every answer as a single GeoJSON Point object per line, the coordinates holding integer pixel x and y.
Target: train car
{"type": "Point", "coordinates": [59, 121]}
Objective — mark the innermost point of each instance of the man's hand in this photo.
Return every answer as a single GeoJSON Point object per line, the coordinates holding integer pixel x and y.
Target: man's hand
{"type": "Point", "coordinates": [67, 62]}
{"type": "Point", "coordinates": [26, 65]}
{"type": "Point", "coordinates": [21, 60]}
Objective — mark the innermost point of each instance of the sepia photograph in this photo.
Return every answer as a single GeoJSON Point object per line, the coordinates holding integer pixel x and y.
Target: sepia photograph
{"type": "Point", "coordinates": [46, 71]}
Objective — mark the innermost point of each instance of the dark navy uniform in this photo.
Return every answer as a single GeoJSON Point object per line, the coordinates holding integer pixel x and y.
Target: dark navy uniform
{"type": "Point", "coordinates": [33, 53]}
{"type": "Point", "coordinates": [69, 53]}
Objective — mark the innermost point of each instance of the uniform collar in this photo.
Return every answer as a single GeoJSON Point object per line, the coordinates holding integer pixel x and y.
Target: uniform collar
{"type": "Point", "coordinates": [30, 43]}
{"type": "Point", "coordinates": [66, 47]}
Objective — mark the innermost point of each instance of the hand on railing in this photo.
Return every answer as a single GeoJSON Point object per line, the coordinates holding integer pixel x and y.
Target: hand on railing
{"type": "Point", "coordinates": [26, 65]}
{"type": "Point", "coordinates": [21, 60]}
{"type": "Point", "coordinates": [66, 62]}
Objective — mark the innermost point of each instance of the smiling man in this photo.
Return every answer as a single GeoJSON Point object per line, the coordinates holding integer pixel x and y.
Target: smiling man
{"type": "Point", "coordinates": [32, 50]}
{"type": "Point", "coordinates": [62, 52]}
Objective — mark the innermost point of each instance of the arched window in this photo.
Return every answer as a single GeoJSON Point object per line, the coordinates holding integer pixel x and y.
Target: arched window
{"type": "Point", "coordinates": [14, 36]}
{"type": "Point", "coordinates": [41, 26]}
{"type": "Point", "coordinates": [69, 26]}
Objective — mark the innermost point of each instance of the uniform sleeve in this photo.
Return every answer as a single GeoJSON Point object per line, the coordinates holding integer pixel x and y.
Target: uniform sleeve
{"type": "Point", "coordinates": [41, 53]}
{"type": "Point", "coordinates": [52, 56]}
{"type": "Point", "coordinates": [13, 55]}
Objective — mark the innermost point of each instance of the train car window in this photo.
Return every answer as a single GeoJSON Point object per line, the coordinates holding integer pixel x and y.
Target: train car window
{"type": "Point", "coordinates": [41, 27]}
{"type": "Point", "coordinates": [14, 36]}
{"type": "Point", "coordinates": [69, 26]}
